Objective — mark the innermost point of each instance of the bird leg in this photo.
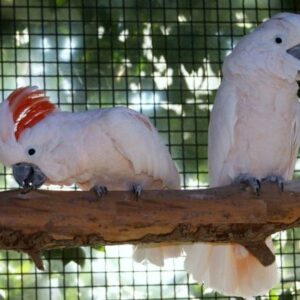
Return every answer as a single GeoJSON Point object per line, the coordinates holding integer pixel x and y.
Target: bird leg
{"type": "Point", "coordinates": [99, 190]}
{"type": "Point", "coordinates": [137, 190]}
{"type": "Point", "coordinates": [250, 181]}
{"type": "Point", "coordinates": [278, 180]}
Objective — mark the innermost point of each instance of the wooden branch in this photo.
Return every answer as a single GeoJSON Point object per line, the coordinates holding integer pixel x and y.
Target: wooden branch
{"type": "Point", "coordinates": [42, 219]}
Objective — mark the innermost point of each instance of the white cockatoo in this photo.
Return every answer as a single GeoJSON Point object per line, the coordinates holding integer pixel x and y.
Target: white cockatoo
{"type": "Point", "coordinates": [253, 134]}
{"type": "Point", "coordinates": [114, 149]}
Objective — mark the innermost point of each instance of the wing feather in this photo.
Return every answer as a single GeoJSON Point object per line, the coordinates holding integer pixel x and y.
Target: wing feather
{"type": "Point", "coordinates": [295, 144]}
{"type": "Point", "coordinates": [137, 139]}
{"type": "Point", "coordinates": [221, 133]}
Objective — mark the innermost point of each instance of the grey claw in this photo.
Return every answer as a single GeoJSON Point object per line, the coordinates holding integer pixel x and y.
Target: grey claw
{"type": "Point", "coordinates": [278, 180]}
{"type": "Point", "coordinates": [137, 190]}
{"type": "Point", "coordinates": [100, 191]}
{"type": "Point", "coordinates": [249, 180]}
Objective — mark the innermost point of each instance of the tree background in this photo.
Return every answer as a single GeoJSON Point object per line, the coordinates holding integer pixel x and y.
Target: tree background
{"type": "Point", "coordinates": [161, 57]}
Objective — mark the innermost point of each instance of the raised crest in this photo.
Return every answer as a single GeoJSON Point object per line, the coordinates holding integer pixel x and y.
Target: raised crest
{"type": "Point", "coordinates": [28, 106]}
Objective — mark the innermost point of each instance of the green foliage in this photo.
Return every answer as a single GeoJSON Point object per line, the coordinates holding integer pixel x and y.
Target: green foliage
{"type": "Point", "coordinates": [60, 3]}
{"type": "Point", "coordinates": [99, 248]}
{"type": "Point", "coordinates": [286, 295]}
{"type": "Point", "coordinates": [67, 255]}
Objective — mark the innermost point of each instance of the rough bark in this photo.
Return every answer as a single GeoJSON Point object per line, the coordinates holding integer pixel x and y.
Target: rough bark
{"type": "Point", "coordinates": [42, 219]}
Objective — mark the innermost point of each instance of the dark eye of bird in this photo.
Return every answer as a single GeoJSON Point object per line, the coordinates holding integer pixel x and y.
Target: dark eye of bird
{"type": "Point", "coordinates": [278, 40]}
{"type": "Point", "coordinates": [31, 151]}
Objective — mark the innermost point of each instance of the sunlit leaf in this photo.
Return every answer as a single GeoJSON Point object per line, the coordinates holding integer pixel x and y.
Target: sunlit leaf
{"type": "Point", "coordinates": [99, 248]}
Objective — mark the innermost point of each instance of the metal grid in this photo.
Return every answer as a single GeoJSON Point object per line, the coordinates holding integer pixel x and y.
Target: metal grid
{"type": "Point", "coordinates": [160, 57]}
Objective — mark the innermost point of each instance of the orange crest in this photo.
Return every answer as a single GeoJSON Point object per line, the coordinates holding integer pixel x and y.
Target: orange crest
{"type": "Point", "coordinates": [28, 106]}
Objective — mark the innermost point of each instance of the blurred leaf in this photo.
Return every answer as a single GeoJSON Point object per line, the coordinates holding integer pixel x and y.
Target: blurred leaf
{"type": "Point", "coordinates": [197, 290]}
{"type": "Point", "coordinates": [99, 248]}
{"type": "Point", "coordinates": [273, 294]}
{"type": "Point", "coordinates": [60, 3]}
{"type": "Point", "coordinates": [53, 254]}
{"type": "Point", "coordinates": [67, 255]}
{"type": "Point", "coordinates": [286, 295]}
{"type": "Point", "coordinates": [74, 254]}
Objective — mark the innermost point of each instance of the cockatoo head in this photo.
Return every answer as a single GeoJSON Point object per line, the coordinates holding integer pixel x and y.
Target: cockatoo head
{"type": "Point", "coordinates": [20, 141]}
{"type": "Point", "coordinates": [272, 49]}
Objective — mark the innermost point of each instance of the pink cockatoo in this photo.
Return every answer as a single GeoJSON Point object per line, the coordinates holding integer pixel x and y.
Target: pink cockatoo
{"type": "Point", "coordinates": [114, 149]}
{"type": "Point", "coordinates": [253, 134]}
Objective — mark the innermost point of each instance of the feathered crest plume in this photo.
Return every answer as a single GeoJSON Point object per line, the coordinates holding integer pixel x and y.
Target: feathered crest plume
{"type": "Point", "coordinates": [28, 106]}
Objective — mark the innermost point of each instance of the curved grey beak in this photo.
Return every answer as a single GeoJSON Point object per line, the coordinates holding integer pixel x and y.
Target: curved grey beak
{"type": "Point", "coordinates": [28, 175]}
{"type": "Point", "coordinates": [294, 51]}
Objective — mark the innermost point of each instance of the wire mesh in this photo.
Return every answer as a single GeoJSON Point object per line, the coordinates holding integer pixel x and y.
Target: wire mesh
{"type": "Point", "coordinates": [160, 57]}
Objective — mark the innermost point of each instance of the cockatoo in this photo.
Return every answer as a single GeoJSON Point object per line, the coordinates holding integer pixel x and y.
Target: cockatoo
{"type": "Point", "coordinates": [253, 134]}
{"type": "Point", "coordinates": [114, 149]}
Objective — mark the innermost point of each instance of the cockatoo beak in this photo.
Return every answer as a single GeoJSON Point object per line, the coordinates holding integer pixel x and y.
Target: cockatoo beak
{"type": "Point", "coordinates": [28, 175]}
{"type": "Point", "coordinates": [294, 51]}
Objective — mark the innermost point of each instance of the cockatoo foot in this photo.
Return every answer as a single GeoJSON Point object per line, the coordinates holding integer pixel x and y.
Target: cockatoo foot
{"type": "Point", "coordinates": [137, 190]}
{"type": "Point", "coordinates": [99, 190]}
{"type": "Point", "coordinates": [278, 180]}
{"type": "Point", "coordinates": [249, 180]}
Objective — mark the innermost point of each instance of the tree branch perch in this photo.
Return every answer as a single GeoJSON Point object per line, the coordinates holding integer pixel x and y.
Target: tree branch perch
{"type": "Point", "coordinates": [42, 220]}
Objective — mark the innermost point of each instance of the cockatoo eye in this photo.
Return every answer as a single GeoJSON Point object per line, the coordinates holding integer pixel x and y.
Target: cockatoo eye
{"type": "Point", "coordinates": [31, 151]}
{"type": "Point", "coordinates": [279, 39]}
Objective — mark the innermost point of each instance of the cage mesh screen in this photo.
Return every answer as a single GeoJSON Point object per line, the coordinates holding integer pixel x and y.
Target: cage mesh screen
{"type": "Point", "coordinates": [160, 57]}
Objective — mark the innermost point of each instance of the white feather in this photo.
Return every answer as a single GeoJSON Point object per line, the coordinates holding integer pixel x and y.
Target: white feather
{"type": "Point", "coordinates": [254, 129]}
{"type": "Point", "coordinates": [137, 139]}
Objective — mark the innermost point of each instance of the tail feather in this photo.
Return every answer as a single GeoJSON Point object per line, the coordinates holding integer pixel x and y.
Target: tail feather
{"type": "Point", "coordinates": [222, 260]}
{"type": "Point", "coordinates": [230, 269]}
{"type": "Point", "coordinates": [193, 266]}
{"type": "Point", "coordinates": [155, 254]}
